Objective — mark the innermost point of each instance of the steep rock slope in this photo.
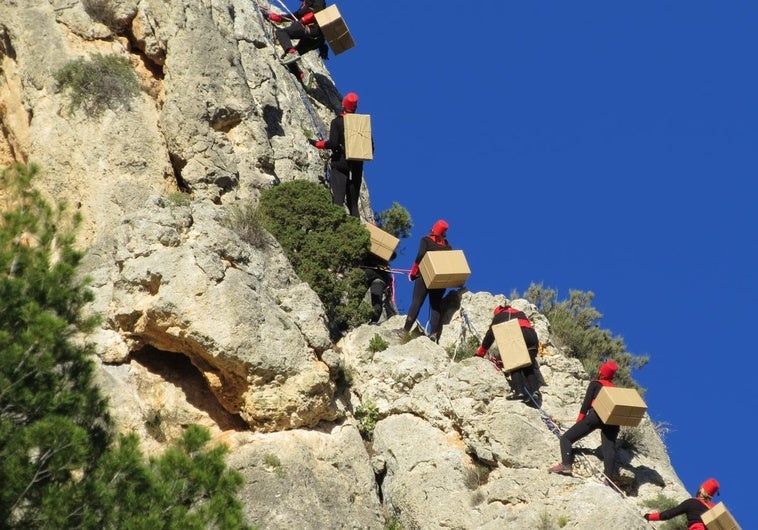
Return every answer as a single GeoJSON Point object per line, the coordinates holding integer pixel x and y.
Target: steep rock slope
{"type": "Point", "coordinates": [200, 327]}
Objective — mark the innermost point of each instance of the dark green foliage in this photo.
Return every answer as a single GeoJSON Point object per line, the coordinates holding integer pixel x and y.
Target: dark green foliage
{"type": "Point", "coordinates": [576, 325]}
{"type": "Point", "coordinates": [661, 503]}
{"type": "Point", "coordinates": [189, 486]}
{"type": "Point", "coordinates": [98, 83]}
{"type": "Point", "coordinates": [58, 469]}
{"type": "Point", "coordinates": [367, 415]}
{"type": "Point", "coordinates": [53, 421]}
{"type": "Point", "coordinates": [395, 220]}
{"type": "Point", "coordinates": [377, 344]}
{"type": "Point", "coordinates": [458, 352]}
{"type": "Point", "coordinates": [324, 245]}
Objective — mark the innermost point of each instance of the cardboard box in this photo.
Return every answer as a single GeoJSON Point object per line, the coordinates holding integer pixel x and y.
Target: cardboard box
{"type": "Point", "coordinates": [511, 345]}
{"type": "Point", "coordinates": [358, 142]}
{"type": "Point", "coordinates": [334, 29]}
{"type": "Point", "coordinates": [444, 268]}
{"type": "Point", "coordinates": [382, 243]}
{"type": "Point", "coordinates": [719, 518]}
{"type": "Point", "coordinates": [619, 406]}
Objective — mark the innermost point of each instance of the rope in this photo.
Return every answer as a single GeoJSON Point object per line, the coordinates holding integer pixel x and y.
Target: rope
{"type": "Point", "coordinates": [315, 120]}
{"type": "Point", "coordinates": [594, 471]}
{"type": "Point", "coordinates": [464, 315]}
{"type": "Point", "coordinates": [267, 30]}
{"type": "Point", "coordinates": [284, 7]}
{"type": "Point", "coordinates": [552, 425]}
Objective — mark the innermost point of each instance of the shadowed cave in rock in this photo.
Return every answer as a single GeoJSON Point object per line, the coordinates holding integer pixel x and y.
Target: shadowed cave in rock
{"type": "Point", "coordinates": [178, 370]}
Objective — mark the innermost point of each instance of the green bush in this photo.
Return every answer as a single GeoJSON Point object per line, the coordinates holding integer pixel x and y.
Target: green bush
{"type": "Point", "coordinates": [393, 524]}
{"type": "Point", "coordinates": [367, 415]}
{"type": "Point", "coordinates": [98, 83]}
{"type": "Point", "coordinates": [545, 521]}
{"type": "Point", "coordinates": [271, 461]}
{"type": "Point", "coordinates": [325, 247]}
{"type": "Point", "coordinates": [179, 198]}
{"type": "Point", "coordinates": [661, 503]}
{"type": "Point", "coordinates": [458, 352]}
{"type": "Point", "coordinates": [245, 219]}
{"type": "Point", "coordinates": [377, 344]}
{"type": "Point", "coordinates": [395, 220]}
{"type": "Point", "coordinates": [575, 324]}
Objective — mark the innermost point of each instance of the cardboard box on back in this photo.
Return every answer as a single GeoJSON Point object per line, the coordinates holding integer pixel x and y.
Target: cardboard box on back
{"type": "Point", "coordinates": [619, 406]}
{"type": "Point", "coordinates": [334, 29]}
{"type": "Point", "coordinates": [511, 345]}
{"type": "Point", "coordinates": [719, 518]}
{"type": "Point", "coordinates": [358, 144]}
{"type": "Point", "coordinates": [444, 268]}
{"type": "Point", "coordinates": [382, 243]}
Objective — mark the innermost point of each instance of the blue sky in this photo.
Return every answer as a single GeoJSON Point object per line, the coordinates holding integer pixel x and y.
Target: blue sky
{"type": "Point", "coordinates": [601, 146]}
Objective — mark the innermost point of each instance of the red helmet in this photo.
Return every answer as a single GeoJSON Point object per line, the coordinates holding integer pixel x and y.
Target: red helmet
{"type": "Point", "coordinates": [710, 487]}
{"type": "Point", "coordinates": [607, 370]}
{"type": "Point", "coordinates": [350, 102]}
{"type": "Point", "coordinates": [439, 228]}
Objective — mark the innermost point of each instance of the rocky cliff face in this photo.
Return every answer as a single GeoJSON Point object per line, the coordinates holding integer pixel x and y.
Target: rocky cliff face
{"type": "Point", "coordinates": [200, 327]}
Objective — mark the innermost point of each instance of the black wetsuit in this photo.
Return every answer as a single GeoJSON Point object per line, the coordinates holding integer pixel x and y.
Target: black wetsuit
{"type": "Point", "coordinates": [379, 280]}
{"type": "Point", "coordinates": [347, 175]}
{"type": "Point", "coordinates": [309, 37]}
{"type": "Point", "coordinates": [692, 508]}
{"type": "Point", "coordinates": [523, 378]}
{"type": "Point", "coordinates": [589, 422]}
{"type": "Point", "coordinates": [427, 244]}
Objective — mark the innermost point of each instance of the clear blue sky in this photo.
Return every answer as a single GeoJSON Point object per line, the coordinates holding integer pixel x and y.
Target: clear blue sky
{"type": "Point", "coordinates": [601, 146]}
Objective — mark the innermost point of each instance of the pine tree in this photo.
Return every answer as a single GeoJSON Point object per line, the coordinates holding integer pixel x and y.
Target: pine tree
{"type": "Point", "coordinates": [576, 324]}
{"type": "Point", "coordinates": [53, 421]}
{"type": "Point", "coordinates": [58, 468]}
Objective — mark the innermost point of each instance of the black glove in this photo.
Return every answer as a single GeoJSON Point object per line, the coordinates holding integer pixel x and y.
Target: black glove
{"type": "Point", "coordinates": [323, 52]}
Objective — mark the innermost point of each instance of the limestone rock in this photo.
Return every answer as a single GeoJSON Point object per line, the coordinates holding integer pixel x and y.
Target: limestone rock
{"type": "Point", "coordinates": [310, 480]}
{"type": "Point", "coordinates": [177, 280]}
{"type": "Point", "coordinates": [201, 327]}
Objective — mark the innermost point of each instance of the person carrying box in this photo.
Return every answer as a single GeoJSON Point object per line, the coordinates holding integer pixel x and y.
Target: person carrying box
{"type": "Point", "coordinates": [304, 28]}
{"type": "Point", "coordinates": [524, 381]}
{"type": "Point", "coordinates": [347, 175]}
{"type": "Point", "coordinates": [588, 421]}
{"type": "Point", "coordinates": [692, 508]}
{"type": "Point", "coordinates": [436, 240]}
{"type": "Point", "coordinates": [379, 280]}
